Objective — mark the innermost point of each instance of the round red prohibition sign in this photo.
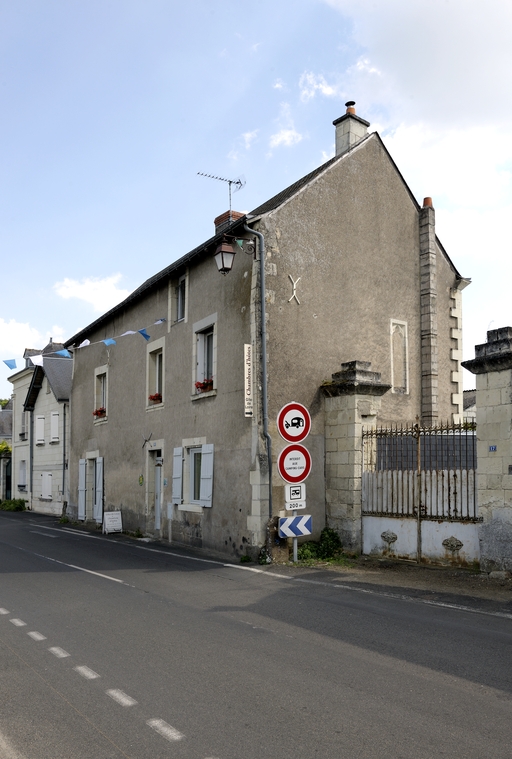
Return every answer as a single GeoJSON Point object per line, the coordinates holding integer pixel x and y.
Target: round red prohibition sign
{"type": "Point", "coordinates": [294, 422]}
{"type": "Point", "coordinates": [294, 463]}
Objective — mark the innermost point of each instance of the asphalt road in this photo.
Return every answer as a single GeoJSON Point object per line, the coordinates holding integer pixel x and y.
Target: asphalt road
{"type": "Point", "coordinates": [116, 648]}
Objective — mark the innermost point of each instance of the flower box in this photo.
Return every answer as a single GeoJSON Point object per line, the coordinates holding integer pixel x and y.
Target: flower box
{"type": "Point", "coordinates": [205, 386]}
{"type": "Point", "coordinates": [99, 413]}
{"type": "Point", "coordinates": [156, 398]}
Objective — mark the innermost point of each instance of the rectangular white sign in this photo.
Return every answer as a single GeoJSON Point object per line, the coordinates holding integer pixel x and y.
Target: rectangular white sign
{"type": "Point", "coordinates": [295, 492]}
{"type": "Point", "coordinates": [295, 505]}
{"type": "Point", "coordinates": [248, 381]}
{"type": "Point", "coordinates": [112, 522]}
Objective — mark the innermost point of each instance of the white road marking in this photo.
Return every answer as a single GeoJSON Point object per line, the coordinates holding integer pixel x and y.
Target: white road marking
{"type": "Point", "coordinates": [36, 636]}
{"type": "Point", "coordinates": [81, 569]}
{"type": "Point", "coordinates": [18, 622]}
{"type": "Point", "coordinates": [89, 674]}
{"type": "Point", "coordinates": [167, 731]}
{"type": "Point", "coordinates": [58, 652]}
{"type": "Point", "coordinates": [38, 532]}
{"type": "Point", "coordinates": [4, 611]}
{"type": "Point", "coordinates": [121, 697]}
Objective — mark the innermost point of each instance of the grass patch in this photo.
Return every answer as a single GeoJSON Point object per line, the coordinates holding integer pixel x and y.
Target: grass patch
{"type": "Point", "coordinates": [327, 550]}
{"type": "Point", "coordinates": [15, 504]}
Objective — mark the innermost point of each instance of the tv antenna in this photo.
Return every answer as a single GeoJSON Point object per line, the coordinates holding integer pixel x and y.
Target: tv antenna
{"type": "Point", "coordinates": [239, 184]}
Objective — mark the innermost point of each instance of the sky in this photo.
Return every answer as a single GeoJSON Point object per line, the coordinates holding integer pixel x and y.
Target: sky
{"type": "Point", "coordinates": [111, 107]}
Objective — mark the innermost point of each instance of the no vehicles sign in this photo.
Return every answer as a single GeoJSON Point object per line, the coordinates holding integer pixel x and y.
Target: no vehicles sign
{"type": "Point", "coordinates": [294, 422]}
{"type": "Point", "coordinates": [294, 463]}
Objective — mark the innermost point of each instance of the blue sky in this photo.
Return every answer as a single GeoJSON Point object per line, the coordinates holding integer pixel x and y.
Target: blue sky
{"type": "Point", "coordinates": [111, 108]}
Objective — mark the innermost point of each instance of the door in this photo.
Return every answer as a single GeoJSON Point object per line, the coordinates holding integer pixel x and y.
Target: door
{"type": "Point", "coordinates": [158, 491]}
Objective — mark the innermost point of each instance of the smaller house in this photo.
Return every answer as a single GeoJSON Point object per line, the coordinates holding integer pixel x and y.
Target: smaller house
{"type": "Point", "coordinates": [5, 450]}
{"type": "Point", "coordinates": [41, 393]}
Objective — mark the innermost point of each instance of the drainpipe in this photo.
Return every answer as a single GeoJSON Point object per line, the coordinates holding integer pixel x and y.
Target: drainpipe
{"type": "Point", "coordinates": [64, 502]}
{"type": "Point", "coordinates": [264, 397]}
{"type": "Point", "coordinates": [31, 457]}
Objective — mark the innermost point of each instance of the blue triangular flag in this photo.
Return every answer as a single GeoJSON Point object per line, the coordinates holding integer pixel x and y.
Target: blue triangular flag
{"type": "Point", "coordinates": [109, 341]}
{"type": "Point", "coordinates": [144, 334]}
{"type": "Point", "coordinates": [11, 363]}
{"type": "Point", "coordinates": [160, 321]}
{"type": "Point", "coordinates": [64, 353]}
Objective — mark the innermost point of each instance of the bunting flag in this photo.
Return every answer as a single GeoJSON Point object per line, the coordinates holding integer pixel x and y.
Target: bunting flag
{"type": "Point", "coordinates": [37, 360]}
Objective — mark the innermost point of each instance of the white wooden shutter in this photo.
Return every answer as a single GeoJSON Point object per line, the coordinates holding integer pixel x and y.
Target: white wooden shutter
{"type": "Point", "coordinates": [54, 427]}
{"type": "Point", "coordinates": [82, 487]}
{"type": "Point", "coordinates": [177, 475]}
{"type": "Point", "coordinates": [98, 506]}
{"type": "Point", "coordinates": [46, 485]}
{"type": "Point", "coordinates": [22, 480]}
{"type": "Point", "coordinates": [205, 498]}
{"type": "Point", "coordinates": [39, 430]}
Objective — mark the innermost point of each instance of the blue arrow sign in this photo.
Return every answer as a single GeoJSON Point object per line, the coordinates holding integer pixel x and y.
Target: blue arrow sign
{"type": "Point", "coordinates": [294, 527]}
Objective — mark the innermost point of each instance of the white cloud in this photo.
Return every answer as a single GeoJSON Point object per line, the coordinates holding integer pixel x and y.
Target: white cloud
{"type": "Point", "coordinates": [102, 294]}
{"type": "Point", "coordinates": [249, 137]}
{"type": "Point", "coordinates": [287, 134]}
{"type": "Point", "coordinates": [278, 84]}
{"type": "Point", "coordinates": [310, 84]}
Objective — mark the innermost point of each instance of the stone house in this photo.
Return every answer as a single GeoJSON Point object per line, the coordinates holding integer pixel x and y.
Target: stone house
{"type": "Point", "coordinates": [5, 454]}
{"type": "Point", "coordinates": [167, 427]}
{"type": "Point", "coordinates": [41, 394]}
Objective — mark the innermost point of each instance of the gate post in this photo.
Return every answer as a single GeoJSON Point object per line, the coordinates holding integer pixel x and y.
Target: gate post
{"type": "Point", "coordinates": [493, 368]}
{"type": "Point", "coordinates": [352, 399]}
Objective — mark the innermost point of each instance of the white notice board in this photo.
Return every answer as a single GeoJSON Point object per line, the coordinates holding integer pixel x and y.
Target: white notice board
{"type": "Point", "coordinates": [112, 522]}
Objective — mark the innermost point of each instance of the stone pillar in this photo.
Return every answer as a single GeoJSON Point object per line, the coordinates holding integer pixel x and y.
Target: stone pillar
{"type": "Point", "coordinates": [428, 314]}
{"type": "Point", "coordinates": [352, 401]}
{"type": "Point", "coordinates": [493, 368]}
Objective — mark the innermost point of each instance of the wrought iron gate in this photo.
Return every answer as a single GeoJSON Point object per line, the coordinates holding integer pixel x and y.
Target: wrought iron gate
{"type": "Point", "coordinates": [420, 473]}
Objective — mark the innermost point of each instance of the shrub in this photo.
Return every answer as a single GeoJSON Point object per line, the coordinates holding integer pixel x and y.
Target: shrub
{"type": "Point", "coordinates": [16, 504]}
{"type": "Point", "coordinates": [328, 547]}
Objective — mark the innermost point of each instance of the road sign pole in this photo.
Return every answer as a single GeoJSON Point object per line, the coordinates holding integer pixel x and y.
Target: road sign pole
{"type": "Point", "coordinates": [295, 556]}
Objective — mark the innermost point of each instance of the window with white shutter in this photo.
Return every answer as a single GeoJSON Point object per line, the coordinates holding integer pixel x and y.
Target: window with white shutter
{"type": "Point", "coordinates": [39, 430]}
{"type": "Point", "coordinates": [46, 485]}
{"type": "Point", "coordinates": [177, 476]}
{"type": "Point", "coordinates": [22, 476]}
{"type": "Point", "coordinates": [54, 427]}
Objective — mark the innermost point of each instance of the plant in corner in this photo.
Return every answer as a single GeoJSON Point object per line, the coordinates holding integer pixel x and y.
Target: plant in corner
{"type": "Point", "coordinates": [99, 413]}
{"type": "Point", "coordinates": [155, 398]}
{"type": "Point", "coordinates": [205, 386]}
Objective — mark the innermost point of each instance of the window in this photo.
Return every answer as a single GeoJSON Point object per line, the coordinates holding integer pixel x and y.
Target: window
{"type": "Point", "coordinates": [399, 357]}
{"type": "Point", "coordinates": [205, 354]}
{"type": "Point", "coordinates": [24, 425]}
{"type": "Point", "coordinates": [54, 427]}
{"type": "Point", "coordinates": [181, 291]}
{"type": "Point", "coordinates": [192, 477]}
{"type": "Point", "coordinates": [46, 486]}
{"type": "Point", "coordinates": [39, 430]}
{"type": "Point", "coordinates": [100, 392]}
{"type": "Point", "coordinates": [155, 376]}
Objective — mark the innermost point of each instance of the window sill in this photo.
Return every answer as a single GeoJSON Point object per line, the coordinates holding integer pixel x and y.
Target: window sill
{"type": "Point", "coordinates": [209, 394]}
{"type": "Point", "coordinates": [54, 442]}
{"type": "Point", "coordinates": [155, 406]}
{"type": "Point", "coordinates": [100, 421]}
{"type": "Point", "coordinates": [190, 507]}
{"type": "Point", "coordinates": [45, 499]}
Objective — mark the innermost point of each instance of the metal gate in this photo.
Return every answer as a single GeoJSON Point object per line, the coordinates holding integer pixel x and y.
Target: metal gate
{"type": "Point", "coordinates": [416, 483]}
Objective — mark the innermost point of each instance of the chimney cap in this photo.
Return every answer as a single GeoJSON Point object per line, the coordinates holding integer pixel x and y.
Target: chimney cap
{"type": "Point", "coordinates": [350, 103]}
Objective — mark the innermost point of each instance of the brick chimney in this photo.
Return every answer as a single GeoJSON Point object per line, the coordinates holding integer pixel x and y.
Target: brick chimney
{"type": "Point", "coordinates": [225, 219]}
{"type": "Point", "coordinates": [349, 129]}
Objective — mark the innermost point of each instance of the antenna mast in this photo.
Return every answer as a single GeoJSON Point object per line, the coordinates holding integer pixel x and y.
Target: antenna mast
{"type": "Point", "coordinates": [239, 183]}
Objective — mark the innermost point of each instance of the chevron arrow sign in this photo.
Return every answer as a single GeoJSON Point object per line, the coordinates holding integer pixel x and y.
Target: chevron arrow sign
{"type": "Point", "coordinates": [294, 527]}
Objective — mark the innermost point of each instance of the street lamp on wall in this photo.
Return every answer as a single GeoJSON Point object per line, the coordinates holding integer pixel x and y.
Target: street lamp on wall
{"type": "Point", "coordinates": [224, 255]}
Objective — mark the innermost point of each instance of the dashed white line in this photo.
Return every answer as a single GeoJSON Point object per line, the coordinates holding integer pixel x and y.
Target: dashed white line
{"type": "Point", "coordinates": [58, 652]}
{"type": "Point", "coordinates": [165, 730]}
{"type": "Point", "coordinates": [89, 674]}
{"type": "Point", "coordinates": [36, 636]}
{"type": "Point", "coordinates": [81, 569]}
{"type": "Point", "coordinates": [121, 697]}
{"type": "Point", "coordinates": [37, 532]}
{"type": "Point", "coordinates": [17, 622]}
{"type": "Point", "coordinates": [4, 611]}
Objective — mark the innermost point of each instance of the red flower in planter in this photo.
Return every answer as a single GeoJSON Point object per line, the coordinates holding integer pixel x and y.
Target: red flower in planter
{"type": "Point", "coordinates": [205, 386]}
{"type": "Point", "coordinates": [99, 411]}
{"type": "Point", "coordinates": [156, 398]}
